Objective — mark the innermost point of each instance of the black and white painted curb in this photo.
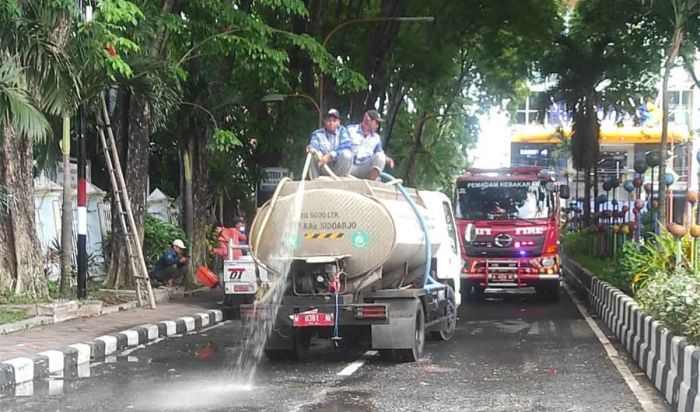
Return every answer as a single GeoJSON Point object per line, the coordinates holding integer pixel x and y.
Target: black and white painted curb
{"type": "Point", "coordinates": [670, 362]}
{"type": "Point", "coordinates": [72, 358]}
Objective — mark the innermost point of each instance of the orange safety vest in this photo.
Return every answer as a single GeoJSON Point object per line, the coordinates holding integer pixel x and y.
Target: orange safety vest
{"type": "Point", "coordinates": [226, 233]}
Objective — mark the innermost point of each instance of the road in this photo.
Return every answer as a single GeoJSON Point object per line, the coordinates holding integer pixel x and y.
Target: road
{"type": "Point", "coordinates": [511, 352]}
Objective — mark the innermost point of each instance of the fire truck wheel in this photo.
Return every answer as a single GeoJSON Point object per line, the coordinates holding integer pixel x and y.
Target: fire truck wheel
{"type": "Point", "coordinates": [476, 295]}
{"type": "Point", "coordinates": [549, 292]}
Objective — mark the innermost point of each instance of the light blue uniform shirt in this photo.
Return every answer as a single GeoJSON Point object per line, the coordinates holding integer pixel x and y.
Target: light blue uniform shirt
{"type": "Point", "coordinates": [364, 147]}
{"type": "Point", "coordinates": [326, 142]}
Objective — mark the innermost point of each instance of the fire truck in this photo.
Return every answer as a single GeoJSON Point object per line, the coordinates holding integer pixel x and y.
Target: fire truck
{"type": "Point", "coordinates": [508, 224]}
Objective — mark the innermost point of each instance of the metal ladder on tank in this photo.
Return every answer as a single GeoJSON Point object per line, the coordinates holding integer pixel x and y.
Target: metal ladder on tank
{"type": "Point", "coordinates": [144, 292]}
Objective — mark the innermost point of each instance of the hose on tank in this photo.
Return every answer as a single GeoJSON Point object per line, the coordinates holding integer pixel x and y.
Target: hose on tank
{"type": "Point", "coordinates": [273, 202]}
{"type": "Point", "coordinates": [428, 281]}
{"type": "Point", "coordinates": [317, 156]}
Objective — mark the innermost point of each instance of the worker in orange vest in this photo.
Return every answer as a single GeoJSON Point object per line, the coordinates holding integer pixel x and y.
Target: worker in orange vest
{"type": "Point", "coordinates": [236, 233]}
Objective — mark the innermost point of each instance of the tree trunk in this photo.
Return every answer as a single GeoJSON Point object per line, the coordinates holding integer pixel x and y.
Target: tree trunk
{"type": "Point", "coordinates": [595, 191]}
{"type": "Point", "coordinates": [408, 173]}
{"type": "Point", "coordinates": [188, 209]}
{"type": "Point", "coordinates": [196, 198]}
{"type": "Point", "coordinates": [395, 102]}
{"type": "Point", "coordinates": [587, 197]}
{"type": "Point", "coordinates": [66, 214]}
{"type": "Point", "coordinates": [132, 125]}
{"type": "Point", "coordinates": [670, 62]}
{"type": "Point", "coordinates": [21, 260]}
{"type": "Point", "coordinates": [375, 64]}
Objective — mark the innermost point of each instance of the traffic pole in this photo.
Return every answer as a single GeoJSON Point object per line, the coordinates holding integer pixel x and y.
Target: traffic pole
{"type": "Point", "coordinates": [82, 207]}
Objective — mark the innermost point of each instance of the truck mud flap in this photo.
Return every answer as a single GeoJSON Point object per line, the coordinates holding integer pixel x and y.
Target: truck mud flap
{"type": "Point", "coordinates": [400, 332]}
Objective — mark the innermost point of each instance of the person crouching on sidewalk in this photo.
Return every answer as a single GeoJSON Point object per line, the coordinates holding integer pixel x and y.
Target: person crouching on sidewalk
{"type": "Point", "coordinates": [172, 265]}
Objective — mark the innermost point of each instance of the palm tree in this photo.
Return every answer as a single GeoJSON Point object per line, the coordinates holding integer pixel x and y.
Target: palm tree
{"type": "Point", "coordinates": [34, 82]}
{"type": "Point", "coordinates": [580, 67]}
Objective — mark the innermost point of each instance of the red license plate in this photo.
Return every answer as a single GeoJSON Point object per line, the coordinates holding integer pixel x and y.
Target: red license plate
{"type": "Point", "coordinates": [302, 320]}
{"type": "Point", "coordinates": [504, 277]}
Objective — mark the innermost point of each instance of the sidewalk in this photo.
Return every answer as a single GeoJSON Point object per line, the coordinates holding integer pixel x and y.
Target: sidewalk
{"type": "Point", "coordinates": [55, 336]}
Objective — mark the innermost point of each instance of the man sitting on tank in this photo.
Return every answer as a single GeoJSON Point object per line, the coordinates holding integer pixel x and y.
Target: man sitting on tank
{"type": "Point", "coordinates": [332, 146]}
{"type": "Point", "coordinates": [369, 157]}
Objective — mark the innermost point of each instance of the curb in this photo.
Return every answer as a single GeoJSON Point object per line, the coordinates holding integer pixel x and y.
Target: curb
{"type": "Point", "coordinates": [670, 362]}
{"type": "Point", "coordinates": [37, 321]}
{"type": "Point", "coordinates": [71, 359]}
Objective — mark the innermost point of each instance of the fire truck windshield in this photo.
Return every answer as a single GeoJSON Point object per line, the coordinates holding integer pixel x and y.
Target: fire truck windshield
{"type": "Point", "coordinates": [503, 200]}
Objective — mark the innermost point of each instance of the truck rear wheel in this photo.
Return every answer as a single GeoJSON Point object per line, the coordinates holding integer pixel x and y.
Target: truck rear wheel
{"type": "Point", "coordinates": [451, 314]}
{"type": "Point", "coordinates": [416, 351]}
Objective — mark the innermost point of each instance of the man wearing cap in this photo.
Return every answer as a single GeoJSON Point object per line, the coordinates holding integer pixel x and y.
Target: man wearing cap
{"type": "Point", "coordinates": [369, 156]}
{"type": "Point", "coordinates": [172, 265]}
{"type": "Point", "coordinates": [332, 144]}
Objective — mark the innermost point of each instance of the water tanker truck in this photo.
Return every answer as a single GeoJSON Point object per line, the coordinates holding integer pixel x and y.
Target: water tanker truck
{"type": "Point", "coordinates": [356, 260]}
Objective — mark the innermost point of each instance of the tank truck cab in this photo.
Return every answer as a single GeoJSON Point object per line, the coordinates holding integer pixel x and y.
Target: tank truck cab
{"type": "Point", "coordinates": [356, 269]}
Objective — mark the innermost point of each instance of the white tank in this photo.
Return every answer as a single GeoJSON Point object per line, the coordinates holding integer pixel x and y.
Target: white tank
{"type": "Point", "coordinates": [370, 223]}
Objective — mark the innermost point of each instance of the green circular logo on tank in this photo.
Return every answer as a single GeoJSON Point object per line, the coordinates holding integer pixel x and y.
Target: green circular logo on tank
{"type": "Point", "coordinates": [292, 241]}
{"type": "Point", "coordinates": [359, 239]}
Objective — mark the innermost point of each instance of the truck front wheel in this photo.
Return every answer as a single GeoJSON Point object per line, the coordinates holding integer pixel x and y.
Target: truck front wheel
{"type": "Point", "coordinates": [451, 315]}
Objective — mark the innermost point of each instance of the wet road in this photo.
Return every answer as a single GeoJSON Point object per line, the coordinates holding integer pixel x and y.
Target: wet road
{"type": "Point", "coordinates": [510, 353]}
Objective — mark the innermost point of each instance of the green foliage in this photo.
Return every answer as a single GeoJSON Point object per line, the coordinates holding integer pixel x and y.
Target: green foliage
{"type": "Point", "coordinates": [17, 108]}
{"type": "Point", "coordinates": [658, 254]}
{"type": "Point", "coordinates": [224, 141]}
{"type": "Point", "coordinates": [12, 315]}
{"type": "Point", "coordinates": [577, 245]}
{"type": "Point", "coordinates": [158, 235]}
{"type": "Point", "coordinates": [673, 298]}
{"type": "Point", "coordinates": [105, 42]}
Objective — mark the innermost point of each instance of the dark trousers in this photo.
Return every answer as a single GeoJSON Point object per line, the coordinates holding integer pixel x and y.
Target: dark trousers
{"type": "Point", "coordinates": [169, 272]}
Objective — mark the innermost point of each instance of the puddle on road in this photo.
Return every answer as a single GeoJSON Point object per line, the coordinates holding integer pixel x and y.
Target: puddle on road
{"type": "Point", "coordinates": [345, 401]}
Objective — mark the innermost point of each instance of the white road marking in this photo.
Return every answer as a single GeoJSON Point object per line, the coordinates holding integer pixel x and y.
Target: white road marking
{"type": "Point", "coordinates": [354, 366]}
{"type": "Point", "coordinates": [645, 399]}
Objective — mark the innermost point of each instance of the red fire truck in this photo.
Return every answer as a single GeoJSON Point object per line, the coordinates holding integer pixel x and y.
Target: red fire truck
{"type": "Point", "coordinates": [508, 222]}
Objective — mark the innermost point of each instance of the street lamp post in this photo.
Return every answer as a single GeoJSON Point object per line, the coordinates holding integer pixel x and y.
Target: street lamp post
{"type": "Point", "coordinates": [361, 21]}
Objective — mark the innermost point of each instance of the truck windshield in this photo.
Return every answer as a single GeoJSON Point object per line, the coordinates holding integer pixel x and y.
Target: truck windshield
{"type": "Point", "coordinates": [503, 200]}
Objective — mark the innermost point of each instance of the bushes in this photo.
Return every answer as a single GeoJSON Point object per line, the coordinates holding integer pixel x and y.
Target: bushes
{"type": "Point", "coordinates": [157, 237]}
{"type": "Point", "coordinates": [657, 273]}
{"type": "Point", "coordinates": [673, 298]}
{"type": "Point", "coordinates": [578, 245]}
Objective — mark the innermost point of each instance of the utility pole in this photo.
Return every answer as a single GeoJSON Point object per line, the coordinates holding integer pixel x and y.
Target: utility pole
{"type": "Point", "coordinates": [82, 189]}
{"type": "Point", "coordinates": [82, 207]}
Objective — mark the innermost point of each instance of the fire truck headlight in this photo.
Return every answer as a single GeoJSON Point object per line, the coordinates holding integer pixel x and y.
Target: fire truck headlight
{"type": "Point", "coordinates": [547, 262]}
